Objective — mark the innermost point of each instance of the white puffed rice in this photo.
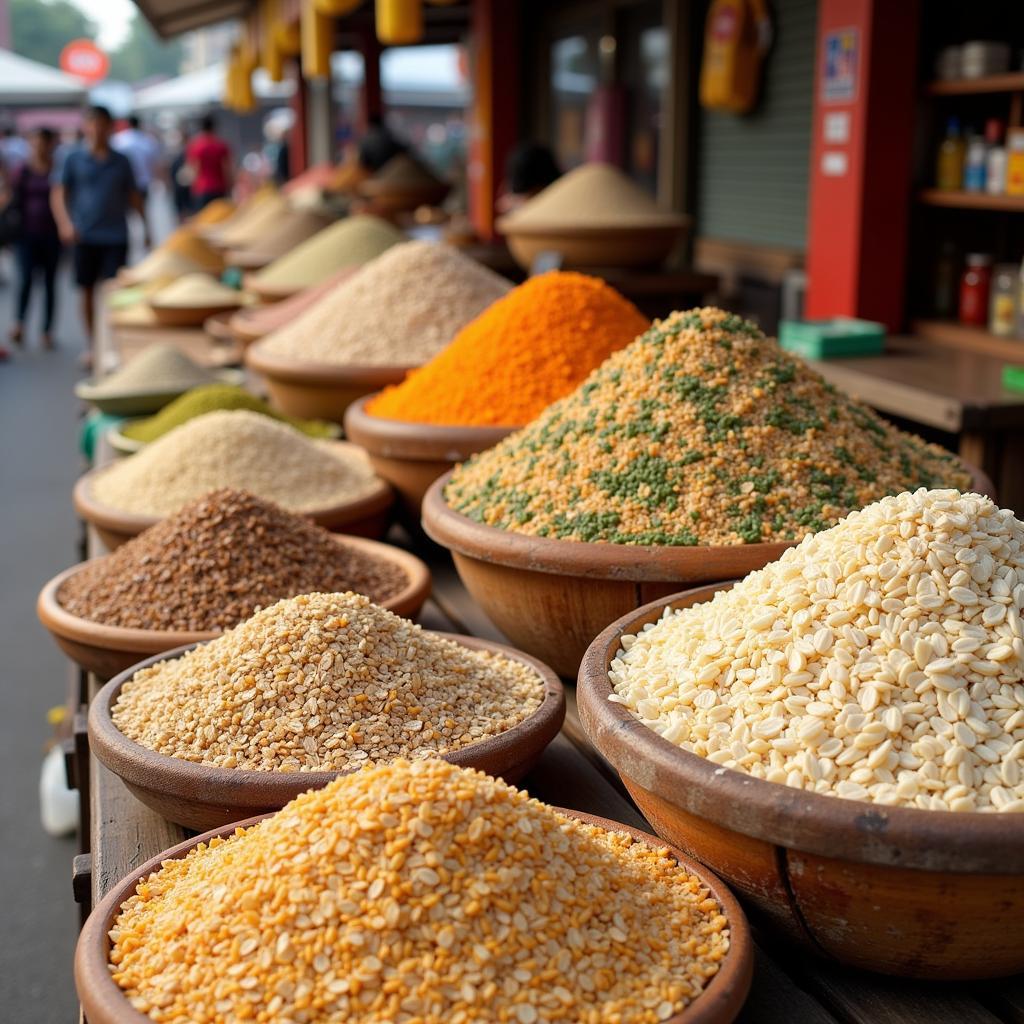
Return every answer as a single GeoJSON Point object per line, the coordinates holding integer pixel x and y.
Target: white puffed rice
{"type": "Point", "coordinates": [881, 660]}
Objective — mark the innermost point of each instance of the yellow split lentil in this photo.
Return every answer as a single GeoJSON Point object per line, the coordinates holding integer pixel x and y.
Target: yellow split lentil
{"type": "Point", "coordinates": [418, 894]}
{"type": "Point", "coordinates": [702, 431]}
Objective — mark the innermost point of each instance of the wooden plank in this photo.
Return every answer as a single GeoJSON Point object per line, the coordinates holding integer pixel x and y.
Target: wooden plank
{"type": "Point", "coordinates": [1005, 998]}
{"type": "Point", "coordinates": [1011, 82]}
{"type": "Point", "coordinates": [972, 200]}
{"type": "Point", "coordinates": [975, 340]}
{"type": "Point", "coordinates": [776, 998]}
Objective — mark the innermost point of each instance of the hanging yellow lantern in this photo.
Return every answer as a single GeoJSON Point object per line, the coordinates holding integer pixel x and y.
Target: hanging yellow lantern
{"type": "Point", "coordinates": [271, 56]}
{"type": "Point", "coordinates": [399, 22]}
{"type": "Point", "coordinates": [317, 41]}
{"type": "Point", "coordinates": [288, 38]}
{"type": "Point", "coordinates": [230, 100]}
{"type": "Point", "coordinates": [336, 8]}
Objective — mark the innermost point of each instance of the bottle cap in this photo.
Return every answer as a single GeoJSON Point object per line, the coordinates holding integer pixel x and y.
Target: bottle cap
{"type": "Point", "coordinates": [993, 131]}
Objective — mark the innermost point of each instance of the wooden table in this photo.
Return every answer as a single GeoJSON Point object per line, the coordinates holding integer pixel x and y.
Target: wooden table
{"type": "Point", "coordinates": [954, 391]}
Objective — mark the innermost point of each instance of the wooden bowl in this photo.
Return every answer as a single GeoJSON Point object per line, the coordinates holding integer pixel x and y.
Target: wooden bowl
{"type": "Point", "coordinates": [199, 796]}
{"type": "Point", "coordinates": [106, 650]}
{"type": "Point", "coordinates": [923, 894]}
{"type": "Point", "coordinates": [597, 246]}
{"type": "Point", "coordinates": [190, 316]}
{"type": "Point", "coordinates": [318, 391]}
{"type": "Point", "coordinates": [552, 597]}
{"type": "Point", "coordinates": [104, 1003]}
{"type": "Point", "coordinates": [411, 456]}
{"type": "Point", "coordinates": [368, 516]}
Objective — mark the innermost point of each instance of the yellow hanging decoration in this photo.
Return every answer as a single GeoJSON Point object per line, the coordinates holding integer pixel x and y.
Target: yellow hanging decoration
{"type": "Point", "coordinates": [336, 8]}
{"type": "Point", "coordinates": [271, 55]}
{"type": "Point", "coordinates": [317, 41]}
{"type": "Point", "coordinates": [288, 38]}
{"type": "Point", "coordinates": [230, 99]}
{"type": "Point", "coordinates": [399, 22]}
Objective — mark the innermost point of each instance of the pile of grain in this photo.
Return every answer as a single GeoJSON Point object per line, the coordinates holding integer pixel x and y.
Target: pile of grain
{"type": "Point", "coordinates": [255, 222]}
{"type": "Point", "coordinates": [291, 228]}
{"type": "Point", "coordinates": [213, 213]}
{"type": "Point", "coordinates": [185, 241]}
{"type": "Point", "coordinates": [348, 243]}
{"type": "Point", "coordinates": [414, 894]}
{"type": "Point", "coordinates": [243, 450]}
{"type": "Point", "coordinates": [161, 265]}
{"type": "Point", "coordinates": [196, 291]}
{"type": "Point", "coordinates": [702, 431]}
{"type": "Point", "coordinates": [591, 196]}
{"type": "Point", "coordinates": [881, 660]}
{"type": "Point", "coordinates": [402, 172]}
{"type": "Point", "coordinates": [401, 309]}
{"type": "Point", "coordinates": [211, 398]}
{"type": "Point", "coordinates": [258, 321]}
{"type": "Point", "coordinates": [158, 367]}
{"type": "Point", "coordinates": [217, 561]}
{"type": "Point", "coordinates": [324, 682]}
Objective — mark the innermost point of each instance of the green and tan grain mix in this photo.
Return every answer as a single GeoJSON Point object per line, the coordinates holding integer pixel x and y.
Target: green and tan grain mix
{"type": "Point", "coordinates": [418, 894]}
{"type": "Point", "coordinates": [239, 449]}
{"type": "Point", "coordinates": [324, 682]}
{"type": "Point", "coordinates": [881, 660]}
{"type": "Point", "coordinates": [703, 431]}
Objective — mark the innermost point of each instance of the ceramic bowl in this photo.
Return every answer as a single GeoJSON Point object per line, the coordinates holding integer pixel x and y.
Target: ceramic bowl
{"type": "Point", "coordinates": [106, 650]}
{"type": "Point", "coordinates": [923, 894]}
{"type": "Point", "coordinates": [199, 796]}
{"type": "Point", "coordinates": [190, 316]}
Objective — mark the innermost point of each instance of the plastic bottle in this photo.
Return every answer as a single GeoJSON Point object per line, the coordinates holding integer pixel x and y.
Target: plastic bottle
{"type": "Point", "coordinates": [995, 161]}
{"type": "Point", "coordinates": [975, 286]}
{"type": "Point", "coordinates": [952, 152]}
{"type": "Point", "coordinates": [974, 165]}
{"type": "Point", "coordinates": [1015, 162]}
{"type": "Point", "coordinates": [1002, 318]}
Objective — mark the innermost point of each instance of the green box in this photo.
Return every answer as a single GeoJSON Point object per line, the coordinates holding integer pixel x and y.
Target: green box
{"type": "Point", "coordinates": [1013, 378]}
{"type": "Point", "coordinates": [838, 338]}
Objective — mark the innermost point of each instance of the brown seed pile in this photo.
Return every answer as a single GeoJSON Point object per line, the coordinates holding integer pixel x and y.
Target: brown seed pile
{"type": "Point", "coordinates": [324, 682]}
{"type": "Point", "coordinates": [418, 894]}
{"type": "Point", "coordinates": [217, 561]}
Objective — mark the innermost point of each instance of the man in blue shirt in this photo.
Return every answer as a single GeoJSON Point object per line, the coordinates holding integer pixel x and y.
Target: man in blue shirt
{"type": "Point", "coordinates": [90, 204]}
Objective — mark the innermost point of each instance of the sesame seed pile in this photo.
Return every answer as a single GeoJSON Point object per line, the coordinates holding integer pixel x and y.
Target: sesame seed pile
{"type": "Point", "coordinates": [324, 682]}
{"type": "Point", "coordinates": [881, 660]}
{"type": "Point", "coordinates": [415, 894]}
{"type": "Point", "coordinates": [215, 562]}
{"type": "Point", "coordinates": [703, 431]}
{"type": "Point", "coordinates": [239, 449]}
{"type": "Point", "coordinates": [400, 309]}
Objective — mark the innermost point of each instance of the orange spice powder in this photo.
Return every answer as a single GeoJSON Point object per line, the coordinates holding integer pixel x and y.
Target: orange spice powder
{"type": "Point", "coordinates": [524, 352]}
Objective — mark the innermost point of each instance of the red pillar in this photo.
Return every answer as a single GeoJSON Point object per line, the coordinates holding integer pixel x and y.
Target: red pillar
{"type": "Point", "coordinates": [861, 159]}
{"type": "Point", "coordinates": [371, 98]}
{"type": "Point", "coordinates": [493, 123]}
{"type": "Point", "coordinates": [298, 147]}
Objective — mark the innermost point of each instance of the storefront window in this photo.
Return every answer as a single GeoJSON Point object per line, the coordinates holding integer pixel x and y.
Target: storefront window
{"type": "Point", "coordinates": [574, 77]}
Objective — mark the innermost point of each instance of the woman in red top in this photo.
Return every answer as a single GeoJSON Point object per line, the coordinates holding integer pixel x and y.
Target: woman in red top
{"type": "Point", "coordinates": [210, 161]}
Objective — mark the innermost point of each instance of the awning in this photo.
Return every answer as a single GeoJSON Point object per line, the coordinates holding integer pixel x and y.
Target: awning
{"type": "Point", "coordinates": [204, 89]}
{"type": "Point", "coordinates": [172, 17]}
{"type": "Point", "coordinates": [27, 83]}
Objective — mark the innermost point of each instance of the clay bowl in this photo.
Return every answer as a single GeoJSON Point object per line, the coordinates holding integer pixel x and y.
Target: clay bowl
{"type": "Point", "coordinates": [190, 316]}
{"type": "Point", "coordinates": [647, 246]}
{"type": "Point", "coordinates": [922, 894]}
{"type": "Point", "coordinates": [387, 200]}
{"type": "Point", "coordinates": [411, 456]}
{"type": "Point", "coordinates": [217, 327]}
{"type": "Point", "coordinates": [368, 516]}
{"type": "Point", "coordinates": [268, 293]}
{"type": "Point", "coordinates": [249, 259]}
{"type": "Point", "coordinates": [104, 1003]}
{"type": "Point", "coordinates": [107, 650]}
{"type": "Point", "coordinates": [317, 391]}
{"type": "Point", "coordinates": [552, 597]}
{"type": "Point", "coordinates": [199, 796]}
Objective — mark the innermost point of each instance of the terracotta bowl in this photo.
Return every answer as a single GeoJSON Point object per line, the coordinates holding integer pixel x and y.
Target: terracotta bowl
{"type": "Point", "coordinates": [199, 796]}
{"type": "Point", "coordinates": [922, 894]}
{"type": "Point", "coordinates": [217, 327]}
{"type": "Point", "coordinates": [411, 456]}
{"type": "Point", "coordinates": [552, 597]}
{"type": "Point", "coordinates": [189, 316]}
{"type": "Point", "coordinates": [249, 259]}
{"type": "Point", "coordinates": [368, 516]}
{"type": "Point", "coordinates": [595, 247]}
{"type": "Point", "coordinates": [106, 651]}
{"type": "Point", "coordinates": [387, 201]}
{"type": "Point", "coordinates": [318, 391]}
{"type": "Point", "coordinates": [268, 293]}
{"type": "Point", "coordinates": [105, 1003]}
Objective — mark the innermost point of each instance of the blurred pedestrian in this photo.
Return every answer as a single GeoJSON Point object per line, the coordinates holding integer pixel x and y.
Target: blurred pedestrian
{"type": "Point", "coordinates": [210, 160]}
{"type": "Point", "coordinates": [14, 150]}
{"type": "Point", "coordinates": [378, 145]}
{"type": "Point", "coordinates": [181, 178]}
{"type": "Point", "coordinates": [530, 167]}
{"type": "Point", "coordinates": [142, 150]}
{"type": "Point", "coordinates": [90, 204]}
{"type": "Point", "coordinates": [37, 248]}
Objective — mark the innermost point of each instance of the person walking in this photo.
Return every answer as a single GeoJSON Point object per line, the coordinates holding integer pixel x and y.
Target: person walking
{"type": "Point", "coordinates": [142, 150]}
{"type": "Point", "coordinates": [90, 204]}
{"type": "Point", "coordinates": [209, 158]}
{"type": "Point", "coordinates": [37, 248]}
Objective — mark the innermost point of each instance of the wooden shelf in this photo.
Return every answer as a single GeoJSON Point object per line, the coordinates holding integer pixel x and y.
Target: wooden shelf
{"type": "Point", "coordinates": [1012, 82]}
{"type": "Point", "coordinates": [971, 200]}
{"type": "Point", "coordinates": [950, 334]}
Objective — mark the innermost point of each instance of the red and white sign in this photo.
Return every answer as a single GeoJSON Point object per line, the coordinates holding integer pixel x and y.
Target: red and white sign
{"type": "Point", "coordinates": [85, 60]}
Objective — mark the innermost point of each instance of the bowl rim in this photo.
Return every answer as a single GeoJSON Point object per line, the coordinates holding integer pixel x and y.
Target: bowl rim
{"type": "Point", "coordinates": [627, 562]}
{"type": "Point", "coordinates": [324, 375]}
{"type": "Point", "coordinates": [506, 225]}
{"type": "Point", "coordinates": [106, 517]}
{"type": "Point", "coordinates": [63, 623]}
{"type": "Point", "coordinates": [720, 1000]}
{"type": "Point", "coordinates": [242, 787]}
{"type": "Point", "coordinates": [405, 439]}
{"type": "Point", "coordinates": [827, 826]}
